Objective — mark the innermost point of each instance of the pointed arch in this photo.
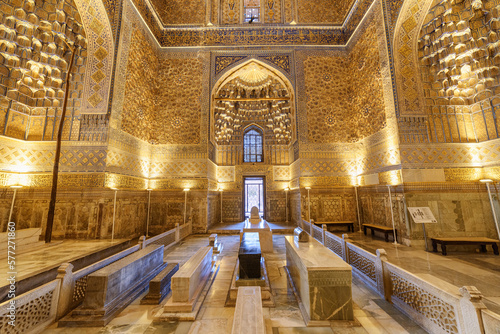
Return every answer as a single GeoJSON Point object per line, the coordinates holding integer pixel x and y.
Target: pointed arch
{"type": "Point", "coordinates": [98, 72]}
{"type": "Point", "coordinates": [408, 81]}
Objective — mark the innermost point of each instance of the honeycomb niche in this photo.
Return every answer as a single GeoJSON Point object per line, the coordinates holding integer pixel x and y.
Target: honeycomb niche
{"type": "Point", "coordinates": [458, 50]}
{"type": "Point", "coordinates": [33, 64]}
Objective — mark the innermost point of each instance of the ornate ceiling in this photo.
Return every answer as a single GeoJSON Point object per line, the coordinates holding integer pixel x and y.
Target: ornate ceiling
{"type": "Point", "coordinates": [212, 23]}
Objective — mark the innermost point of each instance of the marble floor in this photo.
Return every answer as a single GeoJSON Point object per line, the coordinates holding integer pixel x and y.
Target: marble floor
{"type": "Point", "coordinates": [372, 313]}
{"type": "Point", "coordinates": [459, 268]}
{"type": "Point", "coordinates": [51, 255]}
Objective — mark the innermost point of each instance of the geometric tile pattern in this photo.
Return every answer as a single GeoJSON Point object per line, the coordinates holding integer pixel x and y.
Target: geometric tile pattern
{"type": "Point", "coordinates": [100, 60]}
{"type": "Point", "coordinates": [281, 173]}
{"type": "Point", "coordinates": [18, 156]}
{"type": "Point", "coordinates": [226, 173]}
{"type": "Point", "coordinates": [447, 155]}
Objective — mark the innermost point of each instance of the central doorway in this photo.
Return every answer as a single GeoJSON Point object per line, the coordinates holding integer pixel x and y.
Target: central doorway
{"type": "Point", "coordinates": [253, 188]}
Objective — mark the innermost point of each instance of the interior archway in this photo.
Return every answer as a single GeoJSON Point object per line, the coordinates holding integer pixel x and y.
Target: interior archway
{"type": "Point", "coordinates": [252, 93]}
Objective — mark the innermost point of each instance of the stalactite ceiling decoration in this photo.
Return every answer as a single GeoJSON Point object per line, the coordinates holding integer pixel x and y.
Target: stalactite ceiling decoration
{"type": "Point", "coordinates": [252, 95]}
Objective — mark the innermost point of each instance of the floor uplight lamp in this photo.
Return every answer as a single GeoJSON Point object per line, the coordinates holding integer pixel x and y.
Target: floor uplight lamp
{"type": "Point", "coordinates": [286, 203]}
{"type": "Point", "coordinates": [149, 206]}
{"type": "Point", "coordinates": [186, 190]}
{"type": "Point", "coordinates": [357, 207]}
{"type": "Point", "coordinates": [220, 190]}
{"type": "Point", "coordinates": [114, 215]}
{"type": "Point", "coordinates": [308, 205]}
{"type": "Point", "coordinates": [15, 187]}
{"type": "Point", "coordinates": [392, 214]}
{"type": "Point", "coordinates": [488, 181]}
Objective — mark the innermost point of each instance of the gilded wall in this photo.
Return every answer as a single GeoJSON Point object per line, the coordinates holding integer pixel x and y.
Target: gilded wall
{"type": "Point", "coordinates": [332, 12]}
{"type": "Point", "coordinates": [162, 96]}
{"type": "Point", "coordinates": [173, 12]}
{"type": "Point", "coordinates": [138, 105]}
{"type": "Point", "coordinates": [176, 117]}
{"type": "Point", "coordinates": [345, 101]}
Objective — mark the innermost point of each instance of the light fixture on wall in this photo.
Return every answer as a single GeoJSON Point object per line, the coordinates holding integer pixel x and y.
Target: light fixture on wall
{"type": "Point", "coordinates": [114, 215]}
{"type": "Point", "coordinates": [186, 190]}
{"type": "Point", "coordinates": [392, 214]}
{"type": "Point", "coordinates": [488, 181]}
{"type": "Point", "coordinates": [308, 205]}
{"type": "Point", "coordinates": [220, 190]}
{"type": "Point", "coordinates": [286, 203]}
{"type": "Point", "coordinates": [15, 187]}
{"type": "Point", "coordinates": [149, 205]}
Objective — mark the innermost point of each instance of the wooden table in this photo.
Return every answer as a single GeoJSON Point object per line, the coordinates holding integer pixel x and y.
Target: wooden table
{"type": "Point", "coordinates": [348, 223]}
{"type": "Point", "coordinates": [464, 241]}
{"type": "Point", "coordinates": [386, 230]}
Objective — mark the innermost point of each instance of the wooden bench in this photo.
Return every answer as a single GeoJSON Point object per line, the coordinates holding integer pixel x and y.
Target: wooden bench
{"type": "Point", "coordinates": [386, 230]}
{"type": "Point", "coordinates": [464, 241]}
{"type": "Point", "coordinates": [248, 317]}
{"type": "Point", "coordinates": [348, 223]}
{"type": "Point", "coordinates": [159, 287]}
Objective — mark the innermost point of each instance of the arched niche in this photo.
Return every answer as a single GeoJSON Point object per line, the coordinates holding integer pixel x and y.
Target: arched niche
{"type": "Point", "coordinates": [252, 93]}
{"type": "Point", "coordinates": [447, 69]}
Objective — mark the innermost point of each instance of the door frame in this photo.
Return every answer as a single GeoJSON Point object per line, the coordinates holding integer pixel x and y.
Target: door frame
{"type": "Point", "coordinates": [263, 177]}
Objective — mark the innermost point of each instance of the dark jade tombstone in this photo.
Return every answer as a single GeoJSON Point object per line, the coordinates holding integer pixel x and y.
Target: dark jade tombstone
{"type": "Point", "coordinates": [249, 255]}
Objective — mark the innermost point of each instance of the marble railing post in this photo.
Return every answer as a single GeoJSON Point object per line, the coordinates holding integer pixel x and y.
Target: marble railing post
{"type": "Point", "coordinates": [142, 242]}
{"type": "Point", "coordinates": [323, 235]}
{"type": "Point", "coordinates": [65, 275]}
{"type": "Point", "coordinates": [384, 286]}
{"type": "Point", "coordinates": [177, 232]}
{"type": "Point", "coordinates": [311, 223]}
{"type": "Point", "coordinates": [471, 305]}
{"type": "Point", "coordinates": [345, 237]}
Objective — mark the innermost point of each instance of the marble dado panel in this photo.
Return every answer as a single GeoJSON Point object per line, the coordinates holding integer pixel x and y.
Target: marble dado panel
{"type": "Point", "coordinates": [334, 204]}
{"type": "Point", "coordinates": [451, 154]}
{"type": "Point", "coordinates": [463, 213]}
{"type": "Point", "coordinates": [82, 215]}
{"type": "Point", "coordinates": [374, 206]}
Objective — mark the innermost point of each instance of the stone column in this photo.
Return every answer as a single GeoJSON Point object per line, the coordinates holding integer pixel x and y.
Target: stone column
{"type": "Point", "coordinates": [65, 275]}
{"type": "Point", "coordinates": [471, 306]}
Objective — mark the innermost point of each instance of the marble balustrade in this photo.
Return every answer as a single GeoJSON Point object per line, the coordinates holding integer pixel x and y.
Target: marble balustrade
{"type": "Point", "coordinates": [420, 297]}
